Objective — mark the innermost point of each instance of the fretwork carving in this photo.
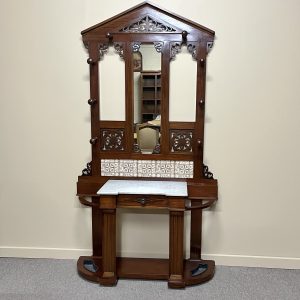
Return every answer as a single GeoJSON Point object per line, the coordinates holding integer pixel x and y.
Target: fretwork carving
{"type": "Point", "coordinates": [209, 46]}
{"type": "Point", "coordinates": [136, 46]}
{"type": "Point", "coordinates": [112, 140]}
{"type": "Point", "coordinates": [148, 24]}
{"type": "Point", "coordinates": [181, 140]}
{"type": "Point", "coordinates": [158, 46]}
{"type": "Point", "coordinates": [103, 48]}
{"type": "Point", "coordinates": [175, 49]}
{"type": "Point", "coordinates": [192, 49]}
{"type": "Point", "coordinates": [119, 49]}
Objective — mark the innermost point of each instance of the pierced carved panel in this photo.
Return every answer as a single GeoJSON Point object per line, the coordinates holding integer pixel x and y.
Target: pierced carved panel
{"type": "Point", "coordinates": [103, 48]}
{"type": "Point", "coordinates": [175, 49]}
{"type": "Point", "coordinates": [158, 46]}
{"type": "Point", "coordinates": [148, 24]}
{"type": "Point", "coordinates": [192, 48]}
{"type": "Point", "coordinates": [119, 49]}
{"type": "Point", "coordinates": [181, 140]}
{"type": "Point", "coordinates": [112, 139]}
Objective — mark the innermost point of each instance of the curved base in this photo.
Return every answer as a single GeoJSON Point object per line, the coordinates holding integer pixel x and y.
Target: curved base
{"type": "Point", "coordinates": [195, 271]}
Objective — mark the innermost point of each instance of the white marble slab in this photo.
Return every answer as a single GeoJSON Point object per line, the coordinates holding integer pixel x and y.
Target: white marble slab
{"type": "Point", "coordinates": [145, 187]}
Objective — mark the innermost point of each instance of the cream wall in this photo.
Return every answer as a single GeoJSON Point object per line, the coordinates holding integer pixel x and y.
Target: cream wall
{"type": "Point", "coordinates": [252, 131]}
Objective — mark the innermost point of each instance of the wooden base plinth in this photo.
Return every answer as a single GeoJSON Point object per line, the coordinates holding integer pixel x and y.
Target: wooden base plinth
{"type": "Point", "coordinates": [146, 268]}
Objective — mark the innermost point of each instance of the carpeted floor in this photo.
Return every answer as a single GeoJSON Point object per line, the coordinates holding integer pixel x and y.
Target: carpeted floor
{"type": "Point", "coordinates": [58, 279]}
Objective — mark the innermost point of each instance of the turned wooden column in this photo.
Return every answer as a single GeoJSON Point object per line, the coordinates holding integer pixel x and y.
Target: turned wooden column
{"type": "Point", "coordinates": [176, 267]}
{"type": "Point", "coordinates": [108, 207]}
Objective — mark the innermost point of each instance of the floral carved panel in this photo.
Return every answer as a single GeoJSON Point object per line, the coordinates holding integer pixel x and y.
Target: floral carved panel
{"type": "Point", "coordinates": [112, 139]}
{"type": "Point", "coordinates": [181, 140]}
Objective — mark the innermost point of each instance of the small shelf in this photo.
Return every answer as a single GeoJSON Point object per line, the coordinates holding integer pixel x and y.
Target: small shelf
{"type": "Point", "coordinates": [150, 86]}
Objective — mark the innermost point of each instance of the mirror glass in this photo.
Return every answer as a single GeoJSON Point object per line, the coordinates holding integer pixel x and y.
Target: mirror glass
{"type": "Point", "coordinates": [108, 80]}
{"type": "Point", "coordinates": [147, 98]}
{"type": "Point", "coordinates": [183, 80]}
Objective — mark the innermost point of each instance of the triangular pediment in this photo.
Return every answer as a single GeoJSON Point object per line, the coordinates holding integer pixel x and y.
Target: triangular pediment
{"type": "Point", "coordinates": [145, 18]}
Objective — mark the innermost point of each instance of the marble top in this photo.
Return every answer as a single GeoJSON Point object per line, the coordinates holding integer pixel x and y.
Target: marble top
{"type": "Point", "coordinates": [149, 187]}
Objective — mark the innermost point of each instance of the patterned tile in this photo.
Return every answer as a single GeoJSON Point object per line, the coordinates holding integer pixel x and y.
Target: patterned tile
{"type": "Point", "coordinates": [147, 168]}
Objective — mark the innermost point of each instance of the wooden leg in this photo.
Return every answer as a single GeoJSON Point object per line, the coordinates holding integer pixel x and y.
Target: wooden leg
{"type": "Point", "coordinates": [97, 228]}
{"type": "Point", "coordinates": [196, 231]}
{"type": "Point", "coordinates": [176, 277]}
{"type": "Point", "coordinates": [109, 242]}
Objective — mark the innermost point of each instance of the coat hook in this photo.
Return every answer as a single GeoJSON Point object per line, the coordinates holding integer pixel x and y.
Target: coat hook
{"type": "Point", "coordinates": [93, 141]}
{"type": "Point", "coordinates": [90, 61]}
{"type": "Point", "coordinates": [92, 101]}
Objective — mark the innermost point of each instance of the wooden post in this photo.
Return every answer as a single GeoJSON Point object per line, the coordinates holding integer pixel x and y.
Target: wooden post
{"type": "Point", "coordinates": [108, 207]}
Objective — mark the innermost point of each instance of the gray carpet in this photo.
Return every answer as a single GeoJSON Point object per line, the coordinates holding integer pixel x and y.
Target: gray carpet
{"type": "Point", "coordinates": [57, 279]}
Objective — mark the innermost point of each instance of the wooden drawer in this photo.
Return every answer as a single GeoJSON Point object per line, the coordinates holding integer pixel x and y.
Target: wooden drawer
{"type": "Point", "coordinates": [142, 201]}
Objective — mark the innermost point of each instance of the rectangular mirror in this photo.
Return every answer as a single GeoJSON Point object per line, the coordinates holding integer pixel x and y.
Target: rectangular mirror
{"type": "Point", "coordinates": [147, 98]}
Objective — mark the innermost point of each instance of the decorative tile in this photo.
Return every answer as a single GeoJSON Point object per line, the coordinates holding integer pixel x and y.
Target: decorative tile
{"type": "Point", "coordinates": [147, 168]}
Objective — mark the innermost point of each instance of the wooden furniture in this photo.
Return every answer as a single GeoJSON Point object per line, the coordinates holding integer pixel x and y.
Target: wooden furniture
{"type": "Point", "coordinates": [177, 159]}
{"type": "Point", "coordinates": [150, 94]}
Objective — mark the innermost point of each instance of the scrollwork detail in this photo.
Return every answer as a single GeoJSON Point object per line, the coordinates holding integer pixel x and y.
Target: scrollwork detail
{"type": "Point", "coordinates": [103, 49]}
{"type": "Point", "coordinates": [192, 49]}
{"type": "Point", "coordinates": [206, 173]}
{"type": "Point", "coordinates": [88, 170]}
{"type": "Point", "coordinates": [148, 24]}
{"type": "Point", "coordinates": [209, 46]}
{"type": "Point", "coordinates": [136, 46]}
{"type": "Point", "coordinates": [119, 49]}
{"type": "Point", "coordinates": [175, 49]}
{"type": "Point", "coordinates": [158, 46]}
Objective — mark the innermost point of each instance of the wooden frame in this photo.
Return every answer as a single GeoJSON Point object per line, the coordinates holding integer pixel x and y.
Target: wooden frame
{"type": "Point", "coordinates": [114, 140]}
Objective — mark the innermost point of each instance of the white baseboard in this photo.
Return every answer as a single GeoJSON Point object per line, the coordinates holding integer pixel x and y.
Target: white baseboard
{"type": "Point", "coordinates": [220, 259]}
{"type": "Point", "coordinates": [34, 252]}
{"type": "Point", "coordinates": [254, 261]}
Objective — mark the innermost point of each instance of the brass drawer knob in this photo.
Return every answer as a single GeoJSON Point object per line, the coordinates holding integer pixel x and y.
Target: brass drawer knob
{"type": "Point", "coordinates": [142, 201]}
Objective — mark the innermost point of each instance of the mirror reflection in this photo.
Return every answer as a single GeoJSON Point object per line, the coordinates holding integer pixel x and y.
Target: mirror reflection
{"type": "Point", "coordinates": [147, 99]}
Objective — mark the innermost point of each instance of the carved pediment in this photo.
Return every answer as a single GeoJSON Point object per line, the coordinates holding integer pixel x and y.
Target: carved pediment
{"type": "Point", "coordinates": [148, 24]}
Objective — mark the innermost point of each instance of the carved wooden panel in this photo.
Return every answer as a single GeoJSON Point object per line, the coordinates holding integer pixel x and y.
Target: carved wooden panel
{"type": "Point", "coordinates": [181, 140]}
{"type": "Point", "coordinates": [148, 24]}
{"type": "Point", "coordinates": [112, 140]}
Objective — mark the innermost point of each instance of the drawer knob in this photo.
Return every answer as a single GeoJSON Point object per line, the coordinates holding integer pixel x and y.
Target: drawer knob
{"type": "Point", "coordinates": [142, 201]}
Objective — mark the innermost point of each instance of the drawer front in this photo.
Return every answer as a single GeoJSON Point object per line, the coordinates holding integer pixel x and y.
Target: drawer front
{"type": "Point", "coordinates": [141, 201]}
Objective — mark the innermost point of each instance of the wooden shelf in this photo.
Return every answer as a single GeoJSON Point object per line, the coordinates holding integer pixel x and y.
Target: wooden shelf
{"type": "Point", "coordinates": [150, 94]}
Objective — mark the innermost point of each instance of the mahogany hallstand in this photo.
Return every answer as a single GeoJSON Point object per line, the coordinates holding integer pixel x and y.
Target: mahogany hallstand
{"type": "Point", "coordinates": [179, 146]}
